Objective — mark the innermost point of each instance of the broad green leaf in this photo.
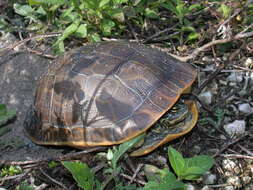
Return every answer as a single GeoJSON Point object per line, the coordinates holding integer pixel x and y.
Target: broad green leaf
{"type": "Point", "coordinates": [122, 148]}
{"type": "Point", "coordinates": [69, 30]}
{"type": "Point", "coordinates": [103, 3]}
{"type": "Point", "coordinates": [192, 173]}
{"type": "Point", "coordinates": [203, 161]}
{"type": "Point", "coordinates": [177, 161]}
{"type": "Point", "coordinates": [58, 47]}
{"type": "Point", "coordinates": [169, 182]}
{"type": "Point", "coordinates": [81, 173]}
{"type": "Point", "coordinates": [81, 31]}
{"type": "Point", "coordinates": [3, 109]}
{"type": "Point", "coordinates": [94, 37]}
{"type": "Point", "coordinates": [23, 10]}
{"type": "Point", "coordinates": [193, 36]}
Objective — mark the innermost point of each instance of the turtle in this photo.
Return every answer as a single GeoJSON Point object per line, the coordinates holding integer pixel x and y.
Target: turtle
{"type": "Point", "coordinates": [106, 93]}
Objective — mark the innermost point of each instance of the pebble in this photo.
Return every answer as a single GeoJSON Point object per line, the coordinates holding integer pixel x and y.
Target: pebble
{"type": "Point", "coordinates": [245, 108]}
{"type": "Point", "coordinates": [231, 167]}
{"type": "Point", "coordinates": [235, 77]}
{"type": "Point", "coordinates": [249, 62]}
{"type": "Point", "coordinates": [235, 181]}
{"type": "Point", "coordinates": [190, 187]}
{"type": "Point", "coordinates": [209, 178]}
{"type": "Point", "coordinates": [235, 128]}
{"type": "Point", "coordinates": [230, 187]}
{"type": "Point", "coordinates": [206, 187]}
{"type": "Point", "coordinates": [206, 97]}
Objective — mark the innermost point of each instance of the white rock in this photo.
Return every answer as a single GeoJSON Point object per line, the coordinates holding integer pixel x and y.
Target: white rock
{"type": "Point", "coordinates": [235, 181]}
{"type": "Point", "coordinates": [245, 108]}
{"type": "Point", "coordinates": [206, 187]}
{"type": "Point", "coordinates": [249, 62]}
{"type": "Point", "coordinates": [235, 77]}
{"type": "Point", "coordinates": [206, 97]}
{"type": "Point", "coordinates": [209, 178]}
{"type": "Point", "coordinates": [235, 128]}
{"type": "Point", "coordinates": [231, 167]}
{"type": "Point", "coordinates": [230, 187]}
{"type": "Point", "coordinates": [190, 187]}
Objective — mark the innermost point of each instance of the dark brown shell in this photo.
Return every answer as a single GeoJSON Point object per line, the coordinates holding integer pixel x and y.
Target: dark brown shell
{"type": "Point", "coordinates": [104, 94]}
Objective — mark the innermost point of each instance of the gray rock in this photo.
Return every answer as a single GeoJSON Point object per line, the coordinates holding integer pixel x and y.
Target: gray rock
{"type": "Point", "coordinates": [209, 178]}
{"type": "Point", "coordinates": [235, 77]}
{"type": "Point", "coordinates": [235, 128]}
{"type": "Point", "coordinates": [18, 79]}
{"type": "Point", "coordinates": [190, 187]}
{"type": "Point", "coordinates": [245, 108]}
{"type": "Point", "coordinates": [230, 187]}
{"type": "Point", "coordinates": [206, 97]}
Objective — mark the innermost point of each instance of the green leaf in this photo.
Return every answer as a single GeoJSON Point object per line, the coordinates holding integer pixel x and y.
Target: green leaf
{"type": "Point", "coordinates": [123, 148]}
{"type": "Point", "coordinates": [192, 173]}
{"type": "Point", "coordinates": [194, 6]}
{"type": "Point", "coordinates": [107, 26]}
{"type": "Point", "coordinates": [69, 30]}
{"type": "Point", "coordinates": [103, 3]}
{"type": "Point", "coordinates": [193, 36]}
{"type": "Point", "coordinates": [50, 2]}
{"type": "Point", "coordinates": [168, 182]}
{"type": "Point", "coordinates": [151, 13]}
{"type": "Point", "coordinates": [117, 14]}
{"type": "Point", "coordinates": [3, 109]}
{"type": "Point", "coordinates": [23, 10]}
{"type": "Point", "coordinates": [225, 10]}
{"type": "Point", "coordinates": [203, 161]}
{"type": "Point", "coordinates": [81, 31]}
{"type": "Point", "coordinates": [153, 173]}
{"type": "Point", "coordinates": [177, 161]}
{"type": "Point", "coordinates": [94, 37]}
{"type": "Point", "coordinates": [81, 173]}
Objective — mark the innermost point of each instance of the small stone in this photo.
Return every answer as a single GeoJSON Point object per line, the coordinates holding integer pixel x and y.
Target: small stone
{"type": "Point", "coordinates": [209, 178]}
{"type": "Point", "coordinates": [235, 77]}
{"type": "Point", "coordinates": [190, 187]}
{"type": "Point", "coordinates": [245, 108]}
{"type": "Point", "coordinates": [235, 128]}
{"type": "Point", "coordinates": [206, 97]}
{"type": "Point", "coordinates": [230, 187]}
{"type": "Point", "coordinates": [246, 179]}
{"type": "Point", "coordinates": [248, 62]}
{"type": "Point", "coordinates": [231, 166]}
{"type": "Point", "coordinates": [235, 181]}
{"type": "Point", "coordinates": [206, 187]}
{"type": "Point", "coordinates": [196, 149]}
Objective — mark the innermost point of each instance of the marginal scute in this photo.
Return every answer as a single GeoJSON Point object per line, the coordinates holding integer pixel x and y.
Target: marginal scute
{"type": "Point", "coordinates": [105, 93]}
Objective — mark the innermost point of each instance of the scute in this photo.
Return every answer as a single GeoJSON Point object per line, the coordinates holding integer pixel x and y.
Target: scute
{"type": "Point", "coordinates": [105, 93]}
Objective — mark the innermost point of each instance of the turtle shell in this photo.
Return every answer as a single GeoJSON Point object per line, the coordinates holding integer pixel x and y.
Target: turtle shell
{"type": "Point", "coordinates": [104, 94]}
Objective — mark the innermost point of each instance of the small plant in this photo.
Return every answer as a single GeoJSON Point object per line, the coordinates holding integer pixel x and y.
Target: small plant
{"type": "Point", "coordinates": [6, 115]}
{"type": "Point", "coordinates": [163, 179]}
{"type": "Point", "coordinates": [181, 11]}
{"type": "Point", "coordinates": [82, 19]}
{"type": "Point", "coordinates": [184, 168]}
{"type": "Point", "coordinates": [85, 177]}
{"type": "Point", "coordinates": [10, 171]}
